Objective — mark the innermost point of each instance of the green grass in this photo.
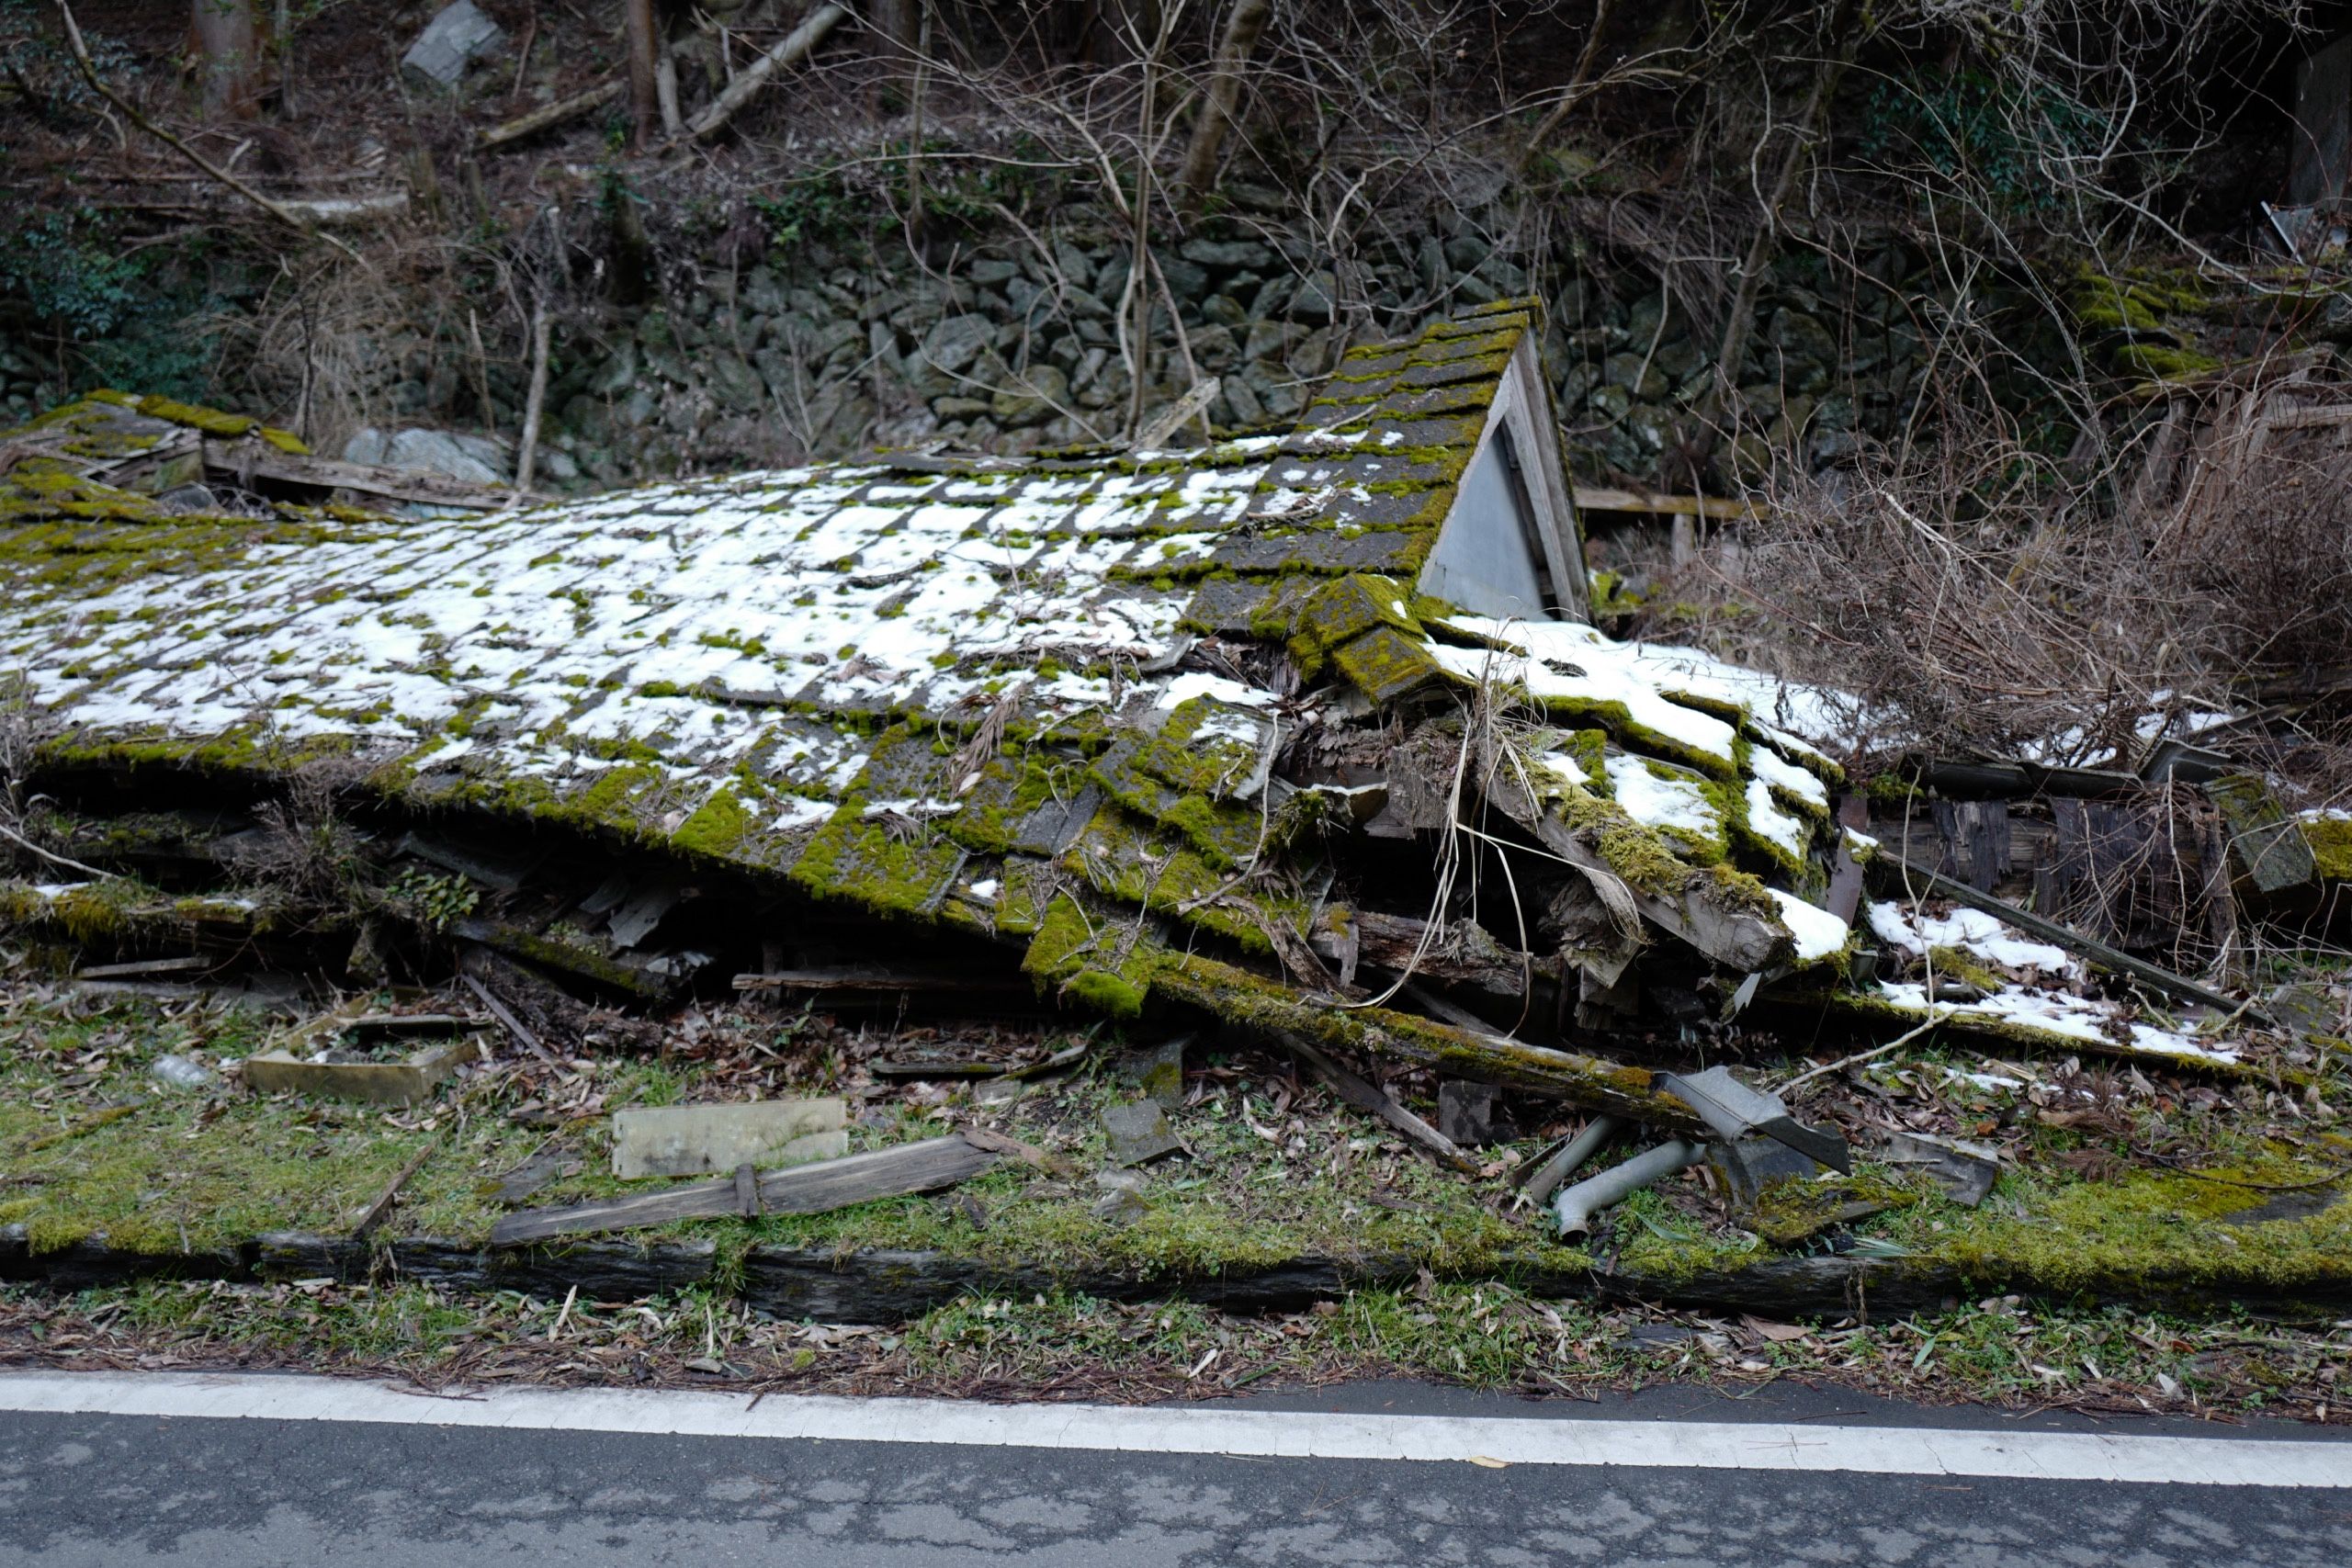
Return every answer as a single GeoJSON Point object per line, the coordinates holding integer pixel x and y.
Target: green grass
{"type": "Point", "coordinates": [1065, 1345]}
{"type": "Point", "coordinates": [185, 1172]}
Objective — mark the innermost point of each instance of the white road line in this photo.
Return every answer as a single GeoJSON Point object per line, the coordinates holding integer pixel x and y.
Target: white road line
{"type": "Point", "coordinates": [1206, 1429]}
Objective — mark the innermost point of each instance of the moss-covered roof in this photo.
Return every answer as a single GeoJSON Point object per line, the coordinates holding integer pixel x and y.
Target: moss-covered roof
{"type": "Point", "coordinates": [1037, 699]}
{"type": "Point", "coordinates": [107, 456]}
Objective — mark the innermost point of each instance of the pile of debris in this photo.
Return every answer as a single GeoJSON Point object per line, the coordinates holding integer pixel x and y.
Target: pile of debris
{"type": "Point", "coordinates": [1305, 734]}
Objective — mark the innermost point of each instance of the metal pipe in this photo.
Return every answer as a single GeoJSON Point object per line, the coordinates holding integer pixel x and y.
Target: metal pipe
{"type": "Point", "coordinates": [1575, 1205]}
{"type": "Point", "coordinates": [1578, 1149]}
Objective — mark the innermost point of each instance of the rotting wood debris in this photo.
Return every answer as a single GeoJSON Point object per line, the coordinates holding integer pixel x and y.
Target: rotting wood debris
{"type": "Point", "coordinates": [1303, 733]}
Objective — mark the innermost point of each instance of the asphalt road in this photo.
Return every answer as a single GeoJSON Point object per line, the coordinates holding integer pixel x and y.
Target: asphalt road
{"type": "Point", "coordinates": [117, 1490]}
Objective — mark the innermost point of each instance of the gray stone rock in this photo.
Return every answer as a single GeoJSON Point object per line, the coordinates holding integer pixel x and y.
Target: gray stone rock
{"type": "Point", "coordinates": [1121, 1201]}
{"type": "Point", "coordinates": [1313, 355]}
{"type": "Point", "coordinates": [1251, 197]}
{"type": "Point", "coordinates": [1213, 348]}
{"type": "Point", "coordinates": [1186, 281]}
{"type": "Point", "coordinates": [956, 406]}
{"type": "Point", "coordinates": [1468, 252]}
{"type": "Point", "coordinates": [1076, 266]}
{"type": "Point", "coordinates": [1228, 253]}
{"type": "Point", "coordinates": [777, 371]}
{"type": "Point", "coordinates": [1283, 399]}
{"type": "Point", "coordinates": [1680, 358]}
{"type": "Point", "coordinates": [955, 343]}
{"type": "Point", "coordinates": [1242, 407]}
{"type": "Point", "coordinates": [735, 384]}
{"type": "Point", "coordinates": [1507, 276]}
{"type": "Point", "coordinates": [1429, 261]}
{"type": "Point", "coordinates": [367, 446]}
{"type": "Point", "coordinates": [1316, 298]}
{"type": "Point", "coordinates": [1653, 427]}
{"type": "Point", "coordinates": [619, 372]}
{"type": "Point", "coordinates": [1138, 1132]}
{"type": "Point", "coordinates": [1225, 311]}
{"type": "Point", "coordinates": [1472, 289]}
{"type": "Point", "coordinates": [1643, 381]}
{"type": "Point", "coordinates": [453, 40]}
{"type": "Point", "coordinates": [474, 458]}
{"type": "Point", "coordinates": [1808, 349]}
{"type": "Point", "coordinates": [1037, 396]}
{"type": "Point", "coordinates": [990, 270]}
{"type": "Point", "coordinates": [1157, 1073]}
{"type": "Point", "coordinates": [1269, 340]}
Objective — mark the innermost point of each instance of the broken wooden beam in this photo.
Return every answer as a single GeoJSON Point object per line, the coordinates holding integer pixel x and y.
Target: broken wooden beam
{"type": "Point", "coordinates": [551, 116]}
{"type": "Point", "coordinates": [1367, 1095]}
{"type": "Point", "coordinates": [797, 46]}
{"type": "Point", "coordinates": [1603, 498]}
{"type": "Point", "coordinates": [861, 977]}
{"type": "Point", "coordinates": [247, 460]}
{"type": "Point", "coordinates": [813, 1189]}
{"type": "Point", "coordinates": [144, 966]}
{"type": "Point", "coordinates": [1255, 1004]}
{"type": "Point", "coordinates": [1918, 881]}
{"type": "Point", "coordinates": [364, 1224]}
{"type": "Point", "coordinates": [508, 1022]}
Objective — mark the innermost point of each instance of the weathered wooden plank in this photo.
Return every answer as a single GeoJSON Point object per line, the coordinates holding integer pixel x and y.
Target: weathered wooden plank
{"type": "Point", "coordinates": [803, 1189]}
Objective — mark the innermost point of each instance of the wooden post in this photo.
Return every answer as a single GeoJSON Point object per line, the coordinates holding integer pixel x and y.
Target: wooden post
{"type": "Point", "coordinates": [228, 58]}
{"type": "Point", "coordinates": [637, 46]}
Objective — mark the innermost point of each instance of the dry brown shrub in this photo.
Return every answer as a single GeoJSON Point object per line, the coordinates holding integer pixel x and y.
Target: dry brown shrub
{"type": "Point", "coordinates": [1979, 598]}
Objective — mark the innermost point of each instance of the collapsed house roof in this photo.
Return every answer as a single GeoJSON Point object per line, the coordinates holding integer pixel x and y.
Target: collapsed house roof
{"type": "Point", "coordinates": [1304, 728]}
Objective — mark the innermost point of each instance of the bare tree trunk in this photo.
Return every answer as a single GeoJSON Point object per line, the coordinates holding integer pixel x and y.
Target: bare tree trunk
{"type": "Point", "coordinates": [898, 26]}
{"type": "Point", "coordinates": [282, 24]}
{"type": "Point", "coordinates": [1243, 25]}
{"type": "Point", "coordinates": [917, 212]}
{"type": "Point", "coordinates": [1705, 427]}
{"type": "Point", "coordinates": [1574, 93]}
{"type": "Point", "coordinates": [640, 44]}
{"type": "Point", "coordinates": [228, 50]}
{"type": "Point", "coordinates": [897, 23]}
{"type": "Point", "coordinates": [527, 452]}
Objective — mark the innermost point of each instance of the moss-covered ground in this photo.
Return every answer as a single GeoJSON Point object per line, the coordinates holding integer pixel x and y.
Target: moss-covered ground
{"type": "Point", "coordinates": [2137, 1199]}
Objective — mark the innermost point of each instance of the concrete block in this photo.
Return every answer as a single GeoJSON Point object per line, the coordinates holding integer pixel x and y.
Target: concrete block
{"type": "Point", "coordinates": [699, 1140]}
{"type": "Point", "coordinates": [453, 40]}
